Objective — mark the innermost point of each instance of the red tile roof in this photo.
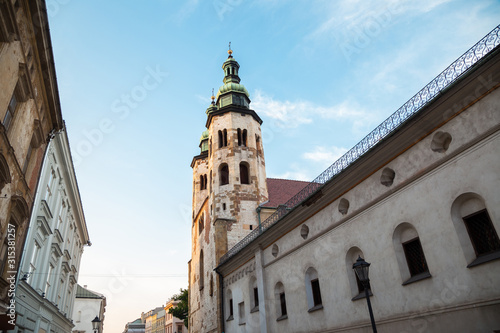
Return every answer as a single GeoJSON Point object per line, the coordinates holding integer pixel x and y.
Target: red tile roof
{"type": "Point", "coordinates": [281, 190]}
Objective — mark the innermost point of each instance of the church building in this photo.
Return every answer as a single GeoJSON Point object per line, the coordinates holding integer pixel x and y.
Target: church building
{"type": "Point", "coordinates": [418, 198]}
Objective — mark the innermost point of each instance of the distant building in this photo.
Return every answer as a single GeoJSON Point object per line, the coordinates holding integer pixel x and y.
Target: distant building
{"type": "Point", "coordinates": [150, 319]}
{"type": "Point", "coordinates": [29, 113]}
{"type": "Point", "coordinates": [54, 246]}
{"type": "Point", "coordinates": [173, 324]}
{"type": "Point", "coordinates": [418, 198]}
{"type": "Point", "coordinates": [136, 326]}
{"type": "Point", "coordinates": [88, 305]}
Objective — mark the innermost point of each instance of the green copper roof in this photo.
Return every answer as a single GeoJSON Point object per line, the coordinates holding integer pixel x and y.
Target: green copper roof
{"type": "Point", "coordinates": [204, 141]}
{"type": "Point", "coordinates": [211, 108]}
{"type": "Point", "coordinates": [204, 135]}
{"type": "Point", "coordinates": [232, 87]}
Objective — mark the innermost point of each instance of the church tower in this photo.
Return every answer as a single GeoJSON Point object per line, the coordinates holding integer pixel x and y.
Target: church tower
{"type": "Point", "coordinates": [229, 183]}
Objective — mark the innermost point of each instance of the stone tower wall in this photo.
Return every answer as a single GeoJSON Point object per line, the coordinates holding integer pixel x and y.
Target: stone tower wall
{"type": "Point", "coordinates": [228, 211]}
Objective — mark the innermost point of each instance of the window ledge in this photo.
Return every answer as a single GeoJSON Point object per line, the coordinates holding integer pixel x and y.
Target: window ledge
{"type": "Point", "coordinates": [484, 259]}
{"type": "Point", "coordinates": [362, 295]}
{"type": "Point", "coordinates": [230, 318]}
{"type": "Point", "coordinates": [283, 317]}
{"type": "Point", "coordinates": [316, 308]}
{"type": "Point", "coordinates": [254, 309]}
{"type": "Point", "coordinates": [418, 277]}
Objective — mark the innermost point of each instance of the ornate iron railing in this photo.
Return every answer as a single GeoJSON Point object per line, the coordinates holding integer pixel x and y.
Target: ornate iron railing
{"type": "Point", "coordinates": [424, 96]}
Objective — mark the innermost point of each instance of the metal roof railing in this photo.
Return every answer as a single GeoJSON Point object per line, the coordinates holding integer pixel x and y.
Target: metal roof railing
{"type": "Point", "coordinates": [411, 107]}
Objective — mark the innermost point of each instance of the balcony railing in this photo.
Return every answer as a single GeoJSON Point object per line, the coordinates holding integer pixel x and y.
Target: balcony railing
{"type": "Point", "coordinates": [424, 96]}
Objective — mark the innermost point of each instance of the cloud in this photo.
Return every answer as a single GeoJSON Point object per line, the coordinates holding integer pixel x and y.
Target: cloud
{"type": "Point", "coordinates": [325, 155]}
{"type": "Point", "coordinates": [289, 114]}
{"type": "Point", "coordinates": [295, 174]}
{"type": "Point", "coordinates": [186, 10]}
{"type": "Point", "coordinates": [348, 17]}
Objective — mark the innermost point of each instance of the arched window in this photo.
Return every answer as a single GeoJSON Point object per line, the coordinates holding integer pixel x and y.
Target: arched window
{"type": "Point", "coordinates": [244, 138]}
{"type": "Point", "coordinates": [313, 291]}
{"type": "Point", "coordinates": [280, 300]}
{"type": "Point", "coordinates": [409, 254]}
{"type": "Point", "coordinates": [201, 271]}
{"type": "Point", "coordinates": [211, 288]}
{"type": "Point", "coordinates": [229, 305]}
{"type": "Point", "coordinates": [476, 231]}
{"type": "Point", "coordinates": [357, 288]}
{"type": "Point", "coordinates": [201, 223]}
{"type": "Point", "coordinates": [221, 139]}
{"type": "Point", "coordinates": [254, 295]}
{"type": "Point", "coordinates": [244, 174]}
{"type": "Point", "coordinates": [224, 174]}
{"type": "Point", "coordinates": [202, 183]}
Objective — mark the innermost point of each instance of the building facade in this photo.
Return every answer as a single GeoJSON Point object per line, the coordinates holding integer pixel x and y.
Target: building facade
{"type": "Point", "coordinates": [29, 111]}
{"type": "Point", "coordinates": [54, 246]}
{"type": "Point", "coordinates": [418, 198]}
{"type": "Point", "coordinates": [151, 317]}
{"type": "Point", "coordinates": [88, 305]}
{"type": "Point", "coordinates": [173, 324]}
{"type": "Point", "coordinates": [136, 326]}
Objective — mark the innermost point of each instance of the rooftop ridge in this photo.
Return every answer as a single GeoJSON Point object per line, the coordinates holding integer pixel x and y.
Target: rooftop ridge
{"type": "Point", "coordinates": [387, 127]}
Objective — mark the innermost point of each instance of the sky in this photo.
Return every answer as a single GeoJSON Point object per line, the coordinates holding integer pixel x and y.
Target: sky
{"type": "Point", "coordinates": [135, 78]}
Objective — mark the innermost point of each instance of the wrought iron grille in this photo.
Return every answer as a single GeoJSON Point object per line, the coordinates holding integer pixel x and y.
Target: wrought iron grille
{"type": "Point", "coordinates": [424, 96]}
{"type": "Point", "coordinates": [482, 233]}
{"type": "Point", "coordinates": [415, 257]}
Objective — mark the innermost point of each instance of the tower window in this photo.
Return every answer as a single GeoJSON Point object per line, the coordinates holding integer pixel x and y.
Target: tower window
{"type": "Point", "coordinates": [244, 177]}
{"type": "Point", "coordinates": [224, 174]}
{"type": "Point", "coordinates": [201, 223]}
{"type": "Point", "coordinates": [221, 140]}
{"type": "Point", "coordinates": [201, 272]}
{"type": "Point", "coordinates": [242, 137]}
{"type": "Point", "coordinates": [225, 137]}
{"type": "Point", "coordinates": [203, 182]}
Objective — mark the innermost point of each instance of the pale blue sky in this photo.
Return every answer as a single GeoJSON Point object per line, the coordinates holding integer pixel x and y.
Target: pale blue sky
{"type": "Point", "coordinates": [321, 74]}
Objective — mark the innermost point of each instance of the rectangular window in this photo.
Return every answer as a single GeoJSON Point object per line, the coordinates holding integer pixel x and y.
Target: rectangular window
{"type": "Point", "coordinates": [231, 308]}
{"type": "Point", "coordinates": [33, 262]}
{"type": "Point", "coordinates": [415, 257]}
{"type": "Point", "coordinates": [283, 304]}
{"type": "Point", "coordinates": [241, 312]}
{"type": "Point", "coordinates": [316, 292]}
{"type": "Point", "coordinates": [482, 234]}
{"type": "Point", "coordinates": [28, 157]}
{"type": "Point", "coordinates": [256, 296]}
{"type": "Point", "coordinates": [49, 281]}
{"type": "Point", "coordinates": [11, 109]}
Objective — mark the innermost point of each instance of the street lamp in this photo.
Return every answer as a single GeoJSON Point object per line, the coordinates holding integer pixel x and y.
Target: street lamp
{"type": "Point", "coordinates": [361, 268]}
{"type": "Point", "coordinates": [95, 324]}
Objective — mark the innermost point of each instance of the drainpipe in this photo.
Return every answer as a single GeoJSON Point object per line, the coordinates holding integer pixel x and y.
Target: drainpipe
{"type": "Point", "coordinates": [221, 288]}
{"type": "Point", "coordinates": [259, 208]}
